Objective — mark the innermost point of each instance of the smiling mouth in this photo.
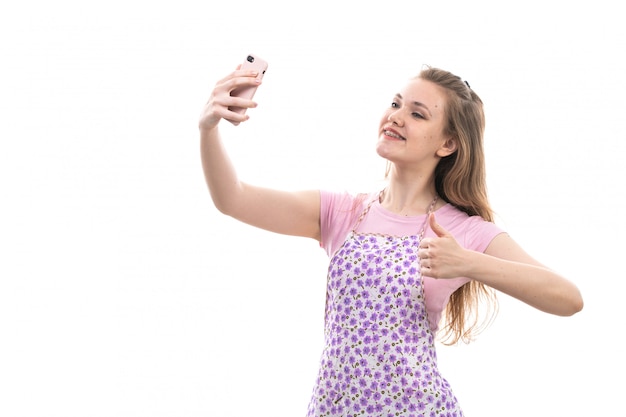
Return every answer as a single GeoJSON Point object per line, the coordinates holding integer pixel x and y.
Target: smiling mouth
{"type": "Point", "coordinates": [393, 135]}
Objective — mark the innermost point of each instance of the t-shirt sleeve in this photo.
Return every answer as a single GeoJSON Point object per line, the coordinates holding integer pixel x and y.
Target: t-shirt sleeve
{"type": "Point", "coordinates": [338, 213]}
{"type": "Point", "coordinates": [480, 233]}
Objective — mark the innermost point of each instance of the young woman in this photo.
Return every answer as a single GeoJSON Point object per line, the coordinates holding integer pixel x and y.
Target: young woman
{"type": "Point", "coordinates": [421, 251]}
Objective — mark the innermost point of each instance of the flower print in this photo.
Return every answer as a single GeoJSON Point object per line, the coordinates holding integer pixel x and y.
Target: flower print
{"type": "Point", "coordinates": [377, 330]}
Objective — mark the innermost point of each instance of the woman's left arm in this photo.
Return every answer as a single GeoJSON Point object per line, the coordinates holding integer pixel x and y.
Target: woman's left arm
{"type": "Point", "coordinates": [504, 266]}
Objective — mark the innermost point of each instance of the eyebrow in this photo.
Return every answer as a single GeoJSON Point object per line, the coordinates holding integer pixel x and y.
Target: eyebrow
{"type": "Point", "coordinates": [416, 103]}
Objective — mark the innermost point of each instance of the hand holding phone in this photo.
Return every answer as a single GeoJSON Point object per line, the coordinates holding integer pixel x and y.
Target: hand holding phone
{"type": "Point", "coordinates": [252, 62]}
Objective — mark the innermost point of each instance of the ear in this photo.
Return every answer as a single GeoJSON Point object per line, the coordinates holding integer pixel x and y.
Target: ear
{"type": "Point", "coordinates": [448, 147]}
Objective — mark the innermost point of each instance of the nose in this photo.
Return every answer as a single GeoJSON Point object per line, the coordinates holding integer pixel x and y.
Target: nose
{"type": "Point", "coordinates": [395, 117]}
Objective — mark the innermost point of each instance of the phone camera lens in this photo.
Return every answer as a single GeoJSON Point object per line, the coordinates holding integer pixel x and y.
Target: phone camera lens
{"type": "Point", "coordinates": [250, 58]}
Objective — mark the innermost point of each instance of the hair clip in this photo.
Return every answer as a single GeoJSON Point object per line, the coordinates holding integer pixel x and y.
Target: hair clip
{"type": "Point", "coordinates": [467, 84]}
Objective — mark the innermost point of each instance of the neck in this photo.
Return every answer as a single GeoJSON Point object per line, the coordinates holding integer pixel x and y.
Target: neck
{"type": "Point", "coordinates": [409, 199]}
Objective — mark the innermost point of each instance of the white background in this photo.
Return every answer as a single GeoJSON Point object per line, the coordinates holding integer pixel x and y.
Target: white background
{"type": "Point", "coordinates": [123, 292]}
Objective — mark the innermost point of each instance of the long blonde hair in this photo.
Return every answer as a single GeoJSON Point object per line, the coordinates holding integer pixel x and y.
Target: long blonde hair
{"type": "Point", "coordinates": [460, 179]}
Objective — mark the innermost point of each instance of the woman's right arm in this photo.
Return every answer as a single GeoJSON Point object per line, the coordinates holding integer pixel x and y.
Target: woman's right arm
{"type": "Point", "coordinates": [290, 213]}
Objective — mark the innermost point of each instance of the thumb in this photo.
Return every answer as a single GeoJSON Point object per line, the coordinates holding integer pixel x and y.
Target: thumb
{"type": "Point", "coordinates": [439, 231]}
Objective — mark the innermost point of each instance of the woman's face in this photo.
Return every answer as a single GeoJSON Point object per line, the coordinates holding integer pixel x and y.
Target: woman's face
{"type": "Point", "coordinates": [411, 129]}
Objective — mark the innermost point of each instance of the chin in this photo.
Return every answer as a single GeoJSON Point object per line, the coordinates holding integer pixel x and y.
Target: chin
{"type": "Point", "coordinates": [381, 149]}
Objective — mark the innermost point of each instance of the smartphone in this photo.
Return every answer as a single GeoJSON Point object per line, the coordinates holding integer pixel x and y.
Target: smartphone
{"type": "Point", "coordinates": [252, 62]}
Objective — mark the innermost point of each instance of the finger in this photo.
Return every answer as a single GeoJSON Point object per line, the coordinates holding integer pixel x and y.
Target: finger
{"type": "Point", "coordinates": [425, 271]}
{"type": "Point", "coordinates": [238, 78]}
{"type": "Point", "coordinates": [436, 227]}
{"type": "Point", "coordinates": [425, 243]}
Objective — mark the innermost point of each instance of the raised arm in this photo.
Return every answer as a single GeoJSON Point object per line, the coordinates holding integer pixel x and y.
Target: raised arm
{"type": "Point", "coordinates": [290, 213]}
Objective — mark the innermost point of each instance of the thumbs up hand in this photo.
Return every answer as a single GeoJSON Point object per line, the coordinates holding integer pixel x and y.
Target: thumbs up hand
{"type": "Point", "coordinates": [441, 256]}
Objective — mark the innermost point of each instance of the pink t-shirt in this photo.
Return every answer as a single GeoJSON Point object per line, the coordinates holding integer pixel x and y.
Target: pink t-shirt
{"type": "Point", "coordinates": [340, 213]}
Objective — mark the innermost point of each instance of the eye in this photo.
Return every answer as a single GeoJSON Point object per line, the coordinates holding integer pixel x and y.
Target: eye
{"type": "Point", "coordinates": [417, 115]}
{"type": "Point", "coordinates": [394, 105]}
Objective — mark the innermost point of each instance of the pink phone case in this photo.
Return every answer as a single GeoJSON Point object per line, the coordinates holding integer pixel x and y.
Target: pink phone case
{"type": "Point", "coordinates": [251, 62]}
